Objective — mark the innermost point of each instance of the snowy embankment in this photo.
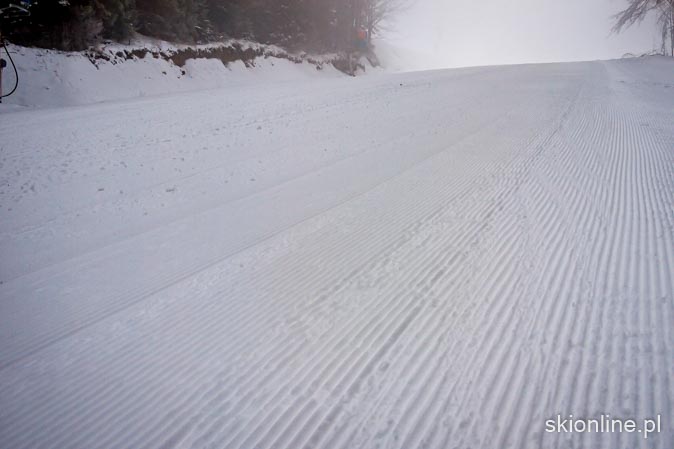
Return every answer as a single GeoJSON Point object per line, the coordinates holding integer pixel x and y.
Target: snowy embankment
{"type": "Point", "coordinates": [150, 67]}
{"type": "Point", "coordinates": [439, 259]}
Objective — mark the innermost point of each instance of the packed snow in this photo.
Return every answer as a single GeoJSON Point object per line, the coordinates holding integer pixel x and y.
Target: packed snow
{"type": "Point", "coordinates": [439, 259]}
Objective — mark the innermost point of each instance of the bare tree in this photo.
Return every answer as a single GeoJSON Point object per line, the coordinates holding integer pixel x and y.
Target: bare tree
{"type": "Point", "coordinates": [378, 12]}
{"type": "Point", "coordinates": [637, 10]}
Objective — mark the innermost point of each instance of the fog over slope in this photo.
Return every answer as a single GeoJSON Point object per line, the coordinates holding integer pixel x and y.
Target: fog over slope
{"type": "Point", "coordinates": [491, 32]}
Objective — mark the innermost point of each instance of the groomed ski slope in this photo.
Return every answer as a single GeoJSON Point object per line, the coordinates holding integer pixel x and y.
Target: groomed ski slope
{"type": "Point", "coordinates": [438, 259]}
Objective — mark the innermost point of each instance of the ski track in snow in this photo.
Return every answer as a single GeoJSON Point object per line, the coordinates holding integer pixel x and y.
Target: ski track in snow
{"type": "Point", "coordinates": [438, 259]}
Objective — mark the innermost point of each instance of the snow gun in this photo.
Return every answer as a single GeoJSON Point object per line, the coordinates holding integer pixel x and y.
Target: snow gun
{"type": "Point", "coordinates": [11, 13]}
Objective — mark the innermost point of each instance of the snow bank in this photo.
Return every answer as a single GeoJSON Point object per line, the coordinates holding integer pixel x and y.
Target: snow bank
{"type": "Point", "coordinates": [115, 71]}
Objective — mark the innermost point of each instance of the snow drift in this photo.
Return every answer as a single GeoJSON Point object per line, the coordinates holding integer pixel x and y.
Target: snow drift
{"type": "Point", "coordinates": [149, 67]}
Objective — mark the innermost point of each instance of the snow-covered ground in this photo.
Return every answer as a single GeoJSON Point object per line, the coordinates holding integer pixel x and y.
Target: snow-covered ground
{"type": "Point", "coordinates": [113, 71]}
{"type": "Point", "coordinates": [440, 259]}
{"type": "Point", "coordinates": [56, 78]}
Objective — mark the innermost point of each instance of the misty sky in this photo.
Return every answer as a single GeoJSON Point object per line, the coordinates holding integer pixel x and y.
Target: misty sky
{"type": "Point", "coordinates": [468, 32]}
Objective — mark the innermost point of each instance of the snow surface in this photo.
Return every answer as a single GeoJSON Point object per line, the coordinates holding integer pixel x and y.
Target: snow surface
{"type": "Point", "coordinates": [439, 259]}
{"type": "Point", "coordinates": [56, 78]}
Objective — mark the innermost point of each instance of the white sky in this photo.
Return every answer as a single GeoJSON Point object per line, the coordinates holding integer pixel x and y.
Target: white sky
{"type": "Point", "coordinates": [484, 32]}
